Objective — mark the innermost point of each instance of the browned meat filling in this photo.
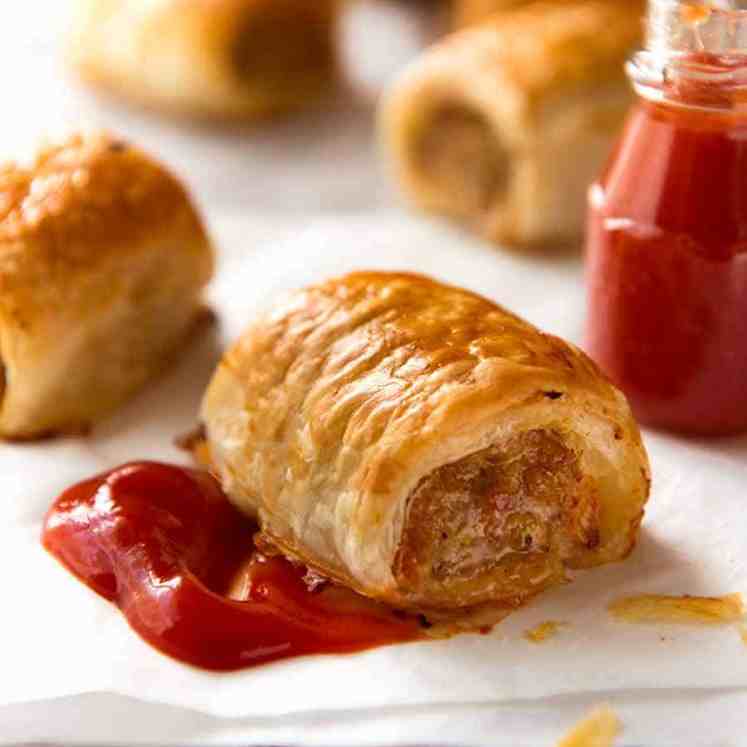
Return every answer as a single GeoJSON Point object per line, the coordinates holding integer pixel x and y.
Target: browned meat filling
{"type": "Point", "coordinates": [462, 157]}
{"type": "Point", "coordinates": [282, 48]}
{"type": "Point", "coordinates": [498, 524]}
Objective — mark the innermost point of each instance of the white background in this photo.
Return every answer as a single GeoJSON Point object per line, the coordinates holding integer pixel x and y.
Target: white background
{"type": "Point", "coordinates": [289, 203]}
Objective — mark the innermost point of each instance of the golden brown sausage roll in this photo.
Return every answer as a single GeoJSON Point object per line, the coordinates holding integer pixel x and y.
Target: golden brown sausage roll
{"type": "Point", "coordinates": [211, 58]}
{"type": "Point", "coordinates": [102, 263]}
{"type": "Point", "coordinates": [504, 125]}
{"type": "Point", "coordinates": [424, 446]}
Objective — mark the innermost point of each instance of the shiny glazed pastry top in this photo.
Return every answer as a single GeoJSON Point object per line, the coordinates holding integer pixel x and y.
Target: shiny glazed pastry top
{"type": "Point", "coordinates": [424, 446]}
{"type": "Point", "coordinates": [207, 58]}
{"type": "Point", "coordinates": [103, 260]}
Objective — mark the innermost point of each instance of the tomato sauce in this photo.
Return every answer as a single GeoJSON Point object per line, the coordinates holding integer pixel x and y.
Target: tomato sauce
{"type": "Point", "coordinates": [667, 261]}
{"type": "Point", "coordinates": [165, 545]}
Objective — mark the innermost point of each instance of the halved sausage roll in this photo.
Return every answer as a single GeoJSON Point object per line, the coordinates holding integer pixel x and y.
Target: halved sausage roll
{"type": "Point", "coordinates": [207, 58]}
{"type": "Point", "coordinates": [423, 446]}
{"type": "Point", "coordinates": [504, 125]}
{"type": "Point", "coordinates": [103, 261]}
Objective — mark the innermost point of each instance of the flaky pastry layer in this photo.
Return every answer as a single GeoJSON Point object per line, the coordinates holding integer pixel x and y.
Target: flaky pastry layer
{"type": "Point", "coordinates": [103, 260]}
{"type": "Point", "coordinates": [424, 446]}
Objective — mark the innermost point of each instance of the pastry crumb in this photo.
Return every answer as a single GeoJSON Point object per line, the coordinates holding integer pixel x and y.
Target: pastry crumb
{"type": "Point", "coordinates": [743, 633]}
{"type": "Point", "coordinates": [652, 608]}
{"type": "Point", "coordinates": [195, 443]}
{"type": "Point", "coordinates": [544, 631]}
{"type": "Point", "coordinates": [598, 729]}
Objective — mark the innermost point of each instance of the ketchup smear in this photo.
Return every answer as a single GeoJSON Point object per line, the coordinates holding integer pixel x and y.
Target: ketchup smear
{"type": "Point", "coordinates": [165, 545]}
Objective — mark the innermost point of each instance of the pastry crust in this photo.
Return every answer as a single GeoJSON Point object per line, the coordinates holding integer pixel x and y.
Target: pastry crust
{"type": "Point", "coordinates": [424, 446]}
{"type": "Point", "coordinates": [471, 12]}
{"type": "Point", "coordinates": [504, 125]}
{"type": "Point", "coordinates": [207, 58]}
{"type": "Point", "coordinates": [102, 263]}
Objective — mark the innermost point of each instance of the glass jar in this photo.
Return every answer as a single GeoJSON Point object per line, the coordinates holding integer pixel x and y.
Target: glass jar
{"type": "Point", "coordinates": [667, 229]}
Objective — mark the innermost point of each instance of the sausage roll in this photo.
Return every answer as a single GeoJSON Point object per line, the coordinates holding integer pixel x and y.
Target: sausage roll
{"type": "Point", "coordinates": [423, 446]}
{"type": "Point", "coordinates": [102, 263]}
{"type": "Point", "coordinates": [207, 58]}
{"type": "Point", "coordinates": [504, 125]}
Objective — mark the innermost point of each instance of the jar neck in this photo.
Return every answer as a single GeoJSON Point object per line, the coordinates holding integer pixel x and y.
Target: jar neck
{"type": "Point", "coordinates": [695, 55]}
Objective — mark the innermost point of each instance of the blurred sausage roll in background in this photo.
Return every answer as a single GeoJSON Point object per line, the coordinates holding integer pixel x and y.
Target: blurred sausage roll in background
{"type": "Point", "coordinates": [504, 125]}
{"type": "Point", "coordinates": [102, 264]}
{"type": "Point", "coordinates": [208, 58]}
{"type": "Point", "coordinates": [423, 446]}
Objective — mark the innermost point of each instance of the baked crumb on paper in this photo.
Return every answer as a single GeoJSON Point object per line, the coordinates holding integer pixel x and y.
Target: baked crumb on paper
{"type": "Point", "coordinates": [598, 729]}
{"type": "Point", "coordinates": [687, 610]}
{"type": "Point", "coordinates": [544, 631]}
{"type": "Point", "coordinates": [195, 444]}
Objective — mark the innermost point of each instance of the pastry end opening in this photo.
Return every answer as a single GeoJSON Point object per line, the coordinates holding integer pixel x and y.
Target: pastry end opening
{"type": "Point", "coordinates": [460, 155]}
{"type": "Point", "coordinates": [499, 524]}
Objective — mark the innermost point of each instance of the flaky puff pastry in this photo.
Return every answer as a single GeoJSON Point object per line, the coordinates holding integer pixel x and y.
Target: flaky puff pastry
{"type": "Point", "coordinates": [503, 126]}
{"type": "Point", "coordinates": [424, 446]}
{"type": "Point", "coordinates": [207, 58]}
{"type": "Point", "coordinates": [102, 264]}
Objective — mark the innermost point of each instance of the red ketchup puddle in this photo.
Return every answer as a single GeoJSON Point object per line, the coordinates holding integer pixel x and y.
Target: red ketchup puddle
{"type": "Point", "coordinates": [165, 545]}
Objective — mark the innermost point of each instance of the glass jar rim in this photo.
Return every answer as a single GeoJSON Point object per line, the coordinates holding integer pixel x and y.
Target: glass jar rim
{"type": "Point", "coordinates": [686, 48]}
{"type": "Point", "coordinates": [696, 25]}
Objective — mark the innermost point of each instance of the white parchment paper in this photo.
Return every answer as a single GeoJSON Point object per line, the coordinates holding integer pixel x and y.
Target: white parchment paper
{"type": "Point", "coordinates": [72, 672]}
{"type": "Point", "coordinates": [60, 641]}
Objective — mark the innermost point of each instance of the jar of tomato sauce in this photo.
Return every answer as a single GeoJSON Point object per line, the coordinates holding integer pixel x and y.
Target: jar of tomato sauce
{"type": "Point", "coordinates": [667, 230]}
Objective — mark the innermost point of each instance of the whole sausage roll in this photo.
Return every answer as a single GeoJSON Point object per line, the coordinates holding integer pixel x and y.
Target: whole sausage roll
{"type": "Point", "coordinates": [504, 125]}
{"type": "Point", "coordinates": [103, 261]}
{"type": "Point", "coordinates": [207, 58]}
{"type": "Point", "coordinates": [423, 446]}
